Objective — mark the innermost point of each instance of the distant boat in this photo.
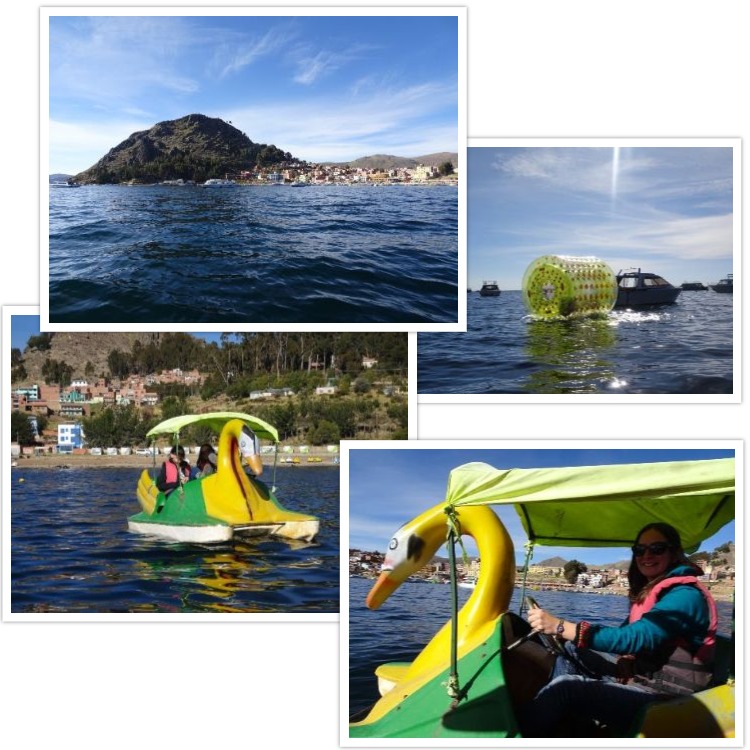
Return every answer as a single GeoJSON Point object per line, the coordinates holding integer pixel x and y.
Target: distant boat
{"type": "Point", "coordinates": [300, 184]}
{"type": "Point", "coordinates": [64, 184]}
{"type": "Point", "coordinates": [489, 289]}
{"type": "Point", "coordinates": [216, 182]}
{"type": "Point", "coordinates": [693, 286]}
{"type": "Point", "coordinates": [636, 288]}
{"type": "Point", "coordinates": [724, 286]}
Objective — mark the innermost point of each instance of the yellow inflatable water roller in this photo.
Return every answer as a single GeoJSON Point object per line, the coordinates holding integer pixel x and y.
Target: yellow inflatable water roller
{"type": "Point", "coordinates": [556, 286]}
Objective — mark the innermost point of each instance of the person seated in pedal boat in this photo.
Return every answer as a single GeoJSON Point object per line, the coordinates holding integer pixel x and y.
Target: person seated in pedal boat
{"type": "Point", "coordinates": [175, 471]}
{"type": "Point", "coordinates": [206, 462]}
{"type": "Point", "coordinates": [664, 649]}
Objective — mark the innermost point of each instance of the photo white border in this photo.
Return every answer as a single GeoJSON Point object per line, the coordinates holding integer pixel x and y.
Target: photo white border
{"type": "Point", "coordinates": [460, 13]}
{"type": "Point", "coordinates": [8, 311]}
{"type": "Point", "coordinates": [463, 445]}
{"type": "Point", "coordinates": [668, 398]}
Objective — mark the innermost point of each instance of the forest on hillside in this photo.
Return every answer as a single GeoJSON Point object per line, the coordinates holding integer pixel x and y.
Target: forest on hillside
{"type": "Point", "coordinates": [234, 367]}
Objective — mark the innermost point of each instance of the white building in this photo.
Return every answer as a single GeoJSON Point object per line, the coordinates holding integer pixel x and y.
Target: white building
{"type": "Point", "coordinates": [69, 437]}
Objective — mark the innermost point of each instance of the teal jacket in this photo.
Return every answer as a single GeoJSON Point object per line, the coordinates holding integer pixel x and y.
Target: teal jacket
{"type": "Point", "coordinates": [682, 612]}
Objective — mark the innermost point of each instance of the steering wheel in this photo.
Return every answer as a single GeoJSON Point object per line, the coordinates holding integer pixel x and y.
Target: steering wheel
{"type": "Point", "coordinates": [550, 642]}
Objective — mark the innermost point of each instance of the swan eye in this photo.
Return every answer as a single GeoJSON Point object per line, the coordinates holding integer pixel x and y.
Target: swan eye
{"type": "Point", "coordinates": [393, 544]}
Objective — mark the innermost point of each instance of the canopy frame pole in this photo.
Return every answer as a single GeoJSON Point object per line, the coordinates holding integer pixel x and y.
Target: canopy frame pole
{"type": "Point", "coordinates": [453, 687]}
{"type": "Point", "coordinates": [275, 461]}
{"type": "Point", "coordinates": [529, 547]}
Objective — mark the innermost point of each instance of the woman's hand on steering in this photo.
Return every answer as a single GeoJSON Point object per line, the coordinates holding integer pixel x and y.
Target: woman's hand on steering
{"type": "Point", "coordinates": [541, 621]}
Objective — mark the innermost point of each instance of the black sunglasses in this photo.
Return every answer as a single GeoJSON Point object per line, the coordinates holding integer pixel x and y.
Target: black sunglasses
{"type": "Point", "coordinates": [655, 548]}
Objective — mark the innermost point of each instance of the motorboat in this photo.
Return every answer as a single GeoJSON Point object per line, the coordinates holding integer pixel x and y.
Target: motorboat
{"type": "Point", "coordinates": [489, 289]}
{"type": "Point", "coordinates": [466, 682]}
{"type": "Point", "coordinates": [693, 286]}
{"type": "Point", "coordinates": [217, 182]}
{"type": "Point", "coordinates": [636, 288]}
{"type": "Point", "coordinates": [232, 500]}
{"type": "Point", "coordinates": [725, 285]}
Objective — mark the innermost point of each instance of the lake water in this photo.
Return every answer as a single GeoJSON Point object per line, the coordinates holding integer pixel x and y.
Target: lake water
{"type": "Point", "coordinates": [71, 551]}
{"type": "Point", "coordinates": [416, 611]}
{"type": "Point", "coordinates": [682, 348]}
{"type": "Point", "coordinates": [253, 254]}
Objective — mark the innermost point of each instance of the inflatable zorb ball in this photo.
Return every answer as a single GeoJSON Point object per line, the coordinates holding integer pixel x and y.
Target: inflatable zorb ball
{"type": "Point", "coordinates": [556, 286]}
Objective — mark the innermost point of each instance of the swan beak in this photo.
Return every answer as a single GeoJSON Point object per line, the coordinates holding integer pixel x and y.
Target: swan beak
{"type": "Point", "coordinates": [255, 464]}
{"type": "Point", "coordinates": [383, 588]}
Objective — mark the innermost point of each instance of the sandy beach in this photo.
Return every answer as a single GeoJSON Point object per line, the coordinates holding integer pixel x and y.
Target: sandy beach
{"type": "Point", "coordinates": [87, 461]}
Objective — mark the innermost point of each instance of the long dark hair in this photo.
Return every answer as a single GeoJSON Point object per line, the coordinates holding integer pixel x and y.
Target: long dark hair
{"type": "Point", "coordinates": [639, 584]}
{"type": "Point", "coordinates": [204, 456]}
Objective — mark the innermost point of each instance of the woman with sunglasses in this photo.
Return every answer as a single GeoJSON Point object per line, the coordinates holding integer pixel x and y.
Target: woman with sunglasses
{"type": "Point", "coordinates": [664, 648]}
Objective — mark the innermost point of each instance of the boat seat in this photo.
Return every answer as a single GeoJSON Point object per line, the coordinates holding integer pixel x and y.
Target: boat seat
{"type": "Point", "coordinates": [723, 660]}
{"type": "Point", "coordinates": [390, 674]}
{"type": "Point", "coordinates": [528, 667]}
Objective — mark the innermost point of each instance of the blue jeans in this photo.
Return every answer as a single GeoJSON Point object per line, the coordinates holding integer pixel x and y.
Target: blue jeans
{"type": "Point", "coordinates": [573, 694]}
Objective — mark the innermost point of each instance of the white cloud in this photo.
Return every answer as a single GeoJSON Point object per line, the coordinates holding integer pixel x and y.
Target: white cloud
{"type": "Point", "coordinates": [398, 122]}
{"type": "Point", "coordinates": [75, 147]}
{"type": "Point", "coordinates": [234, 56]}
{"type": "Point", "coordinates": [111, 61]}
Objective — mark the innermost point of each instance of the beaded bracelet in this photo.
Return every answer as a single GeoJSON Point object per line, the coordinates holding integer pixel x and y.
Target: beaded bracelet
{"type": "Point", "coordinates": [582, 634]}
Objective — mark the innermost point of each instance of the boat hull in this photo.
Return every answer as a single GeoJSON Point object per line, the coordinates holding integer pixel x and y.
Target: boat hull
{"type": "Point", "coordinates": [229, 497]}
{"type": "Point", "coordinates": [498, 682]}
{"type": "Point", "coordinates": [646, 297]}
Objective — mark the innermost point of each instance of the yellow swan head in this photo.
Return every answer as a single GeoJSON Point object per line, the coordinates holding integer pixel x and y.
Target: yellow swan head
{"type": "Point", "coordinates": [412, 547]}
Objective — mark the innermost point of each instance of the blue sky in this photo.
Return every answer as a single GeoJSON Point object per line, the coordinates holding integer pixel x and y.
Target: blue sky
{"type": "Point", "coordinates": [323, 88]}
{"type": "Point", "coordinates": [388, 487]}
{"type": "Point", "coordinates": [665, 210]}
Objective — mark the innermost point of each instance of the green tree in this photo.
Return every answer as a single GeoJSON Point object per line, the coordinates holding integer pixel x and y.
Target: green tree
{"type": "Point", "coordinates": [173, 407]}
{"type": "Point", "coordinates": [60, 372]}
{"type": "Point", "coordinates": [324, 433]}
{"type": "Point", "coordinates": [20, 429]}
{"type": "Point", "coordinates": [89, 370]}
{"type": "Point", "coordinates": [571, 570]}
{"type": "Point", "coordinates": [361, 385]}
{"type": "Point", "coordinates": [445, 168]}
{"type": "Point", "coordinates": [42, 342]}
{"type": "Point", "coordinates": [18, 373]}
{"type": "Point", "coordinates": [119, 363]}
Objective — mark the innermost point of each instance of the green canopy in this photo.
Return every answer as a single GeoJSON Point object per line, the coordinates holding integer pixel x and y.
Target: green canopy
{"type": "Point", "coordinates": [604, 506]}
{"type": "Point", "coordinates": [214, 420]}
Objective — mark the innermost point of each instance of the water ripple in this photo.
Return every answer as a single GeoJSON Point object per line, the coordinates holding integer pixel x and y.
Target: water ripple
{"type": "Point", "coordinates": [162, 254]}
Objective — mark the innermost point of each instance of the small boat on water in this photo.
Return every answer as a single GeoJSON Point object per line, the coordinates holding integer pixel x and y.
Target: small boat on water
{"type": "Point", "coordinates": [725, 285]}
{"type": "Point", "coordinates": [231, 500]}
{"type": "Point", "coordinates": [219, 183]}
{"type": "Point", "coordinates": [636, 288]}
{"type": "Point", "coordinates": [489, 289]}
{"type": "Point", "coordinates": [64, 184]}
{"type": "Point", "coordinates": [466, 682]}
{"type": "Point", "coordinates": [693, 286]}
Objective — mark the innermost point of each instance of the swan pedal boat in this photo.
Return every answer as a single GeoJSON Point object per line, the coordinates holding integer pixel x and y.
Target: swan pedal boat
{"type": "Point", "coordinates": [584, 506]}
{"type": "Point", "coordinates": [215, 508]}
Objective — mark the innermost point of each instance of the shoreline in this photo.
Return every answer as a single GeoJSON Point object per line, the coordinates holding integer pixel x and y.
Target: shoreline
{"type": "Point", "coordinates": [77, 461]}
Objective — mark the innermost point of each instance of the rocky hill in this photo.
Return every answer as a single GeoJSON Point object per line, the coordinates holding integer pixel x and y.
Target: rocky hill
{"type": "Point", "coordinates": [76, 349]}
{"type": "Point", "coordinates": [386, 161]}
{"type": "Point", "coordinates": [194, 147]}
